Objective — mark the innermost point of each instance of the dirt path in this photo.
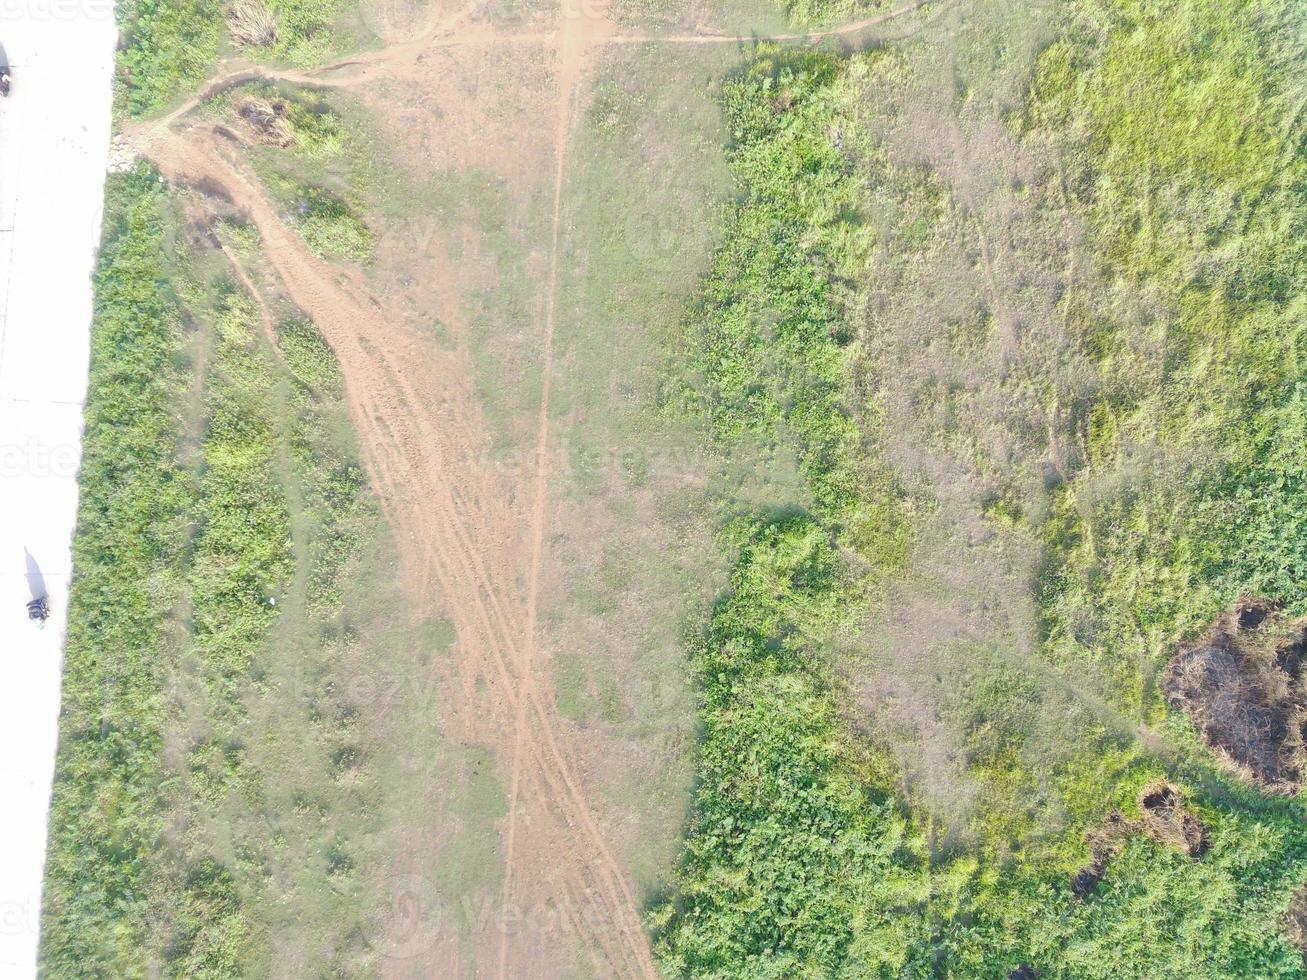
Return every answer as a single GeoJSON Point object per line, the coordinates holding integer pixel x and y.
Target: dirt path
{"type": "Point", "coordinates": [469, 539]}
{"type": "Point", "coordinates": [422, 447]}
{"type": "Point", "coordinates": [576, 35]}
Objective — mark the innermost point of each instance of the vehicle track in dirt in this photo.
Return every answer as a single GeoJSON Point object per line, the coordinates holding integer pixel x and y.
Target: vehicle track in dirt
{"type": "Point", "coordinates": [464, 540]}
{"type": "Point", "coordinates": [441, 499]}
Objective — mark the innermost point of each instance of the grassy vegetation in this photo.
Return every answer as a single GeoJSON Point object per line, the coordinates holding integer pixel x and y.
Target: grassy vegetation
{"type": "Point", "coordinates": [1181, 142]}
{"type": "Point", "coordinates": [1183, 148]}
{"type": "Point", "coordinates": [203, 776]}
{"type": "Point", "coordinates": [798, 862]}
{"type": "Point", "coordinates": [106, 820]}
{"type": "Point", "coordinates": [330, 229]}
{"type": "Point", "coordinates": [304, 30]}
{"type": "Point", "coordinates": [168, 47]}
{"type": "Point", "coordinates": [828, 11]}
{"type": "Point", "coordinates": [768, 346]}
{"type": "Point", "coordinates": [322, 169]}
{"type": "Point", "coordinates": [1203, 229]}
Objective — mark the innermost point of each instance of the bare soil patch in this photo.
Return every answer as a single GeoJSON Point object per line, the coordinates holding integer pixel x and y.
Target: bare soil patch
{"type": "Point", "coordinates": [1240, 684]}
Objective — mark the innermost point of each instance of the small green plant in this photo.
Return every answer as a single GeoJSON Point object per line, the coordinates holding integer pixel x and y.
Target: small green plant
{"type": "Point", "coordinates": [330, 228]}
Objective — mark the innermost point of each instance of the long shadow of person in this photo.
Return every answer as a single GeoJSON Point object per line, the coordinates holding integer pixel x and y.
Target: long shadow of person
{"type": "Point", "coordinates": [35, 580]}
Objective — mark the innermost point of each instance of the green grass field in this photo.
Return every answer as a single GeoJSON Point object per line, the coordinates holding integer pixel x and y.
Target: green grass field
{"type": "Point", "coordinates": [1129, 566]}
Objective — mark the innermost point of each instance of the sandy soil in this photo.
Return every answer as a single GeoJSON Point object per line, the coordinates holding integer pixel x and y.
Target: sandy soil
{"type": "Point", "coordinates": [54, 142]}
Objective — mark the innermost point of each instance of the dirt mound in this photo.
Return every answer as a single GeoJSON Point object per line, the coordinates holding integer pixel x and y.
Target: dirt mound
{"type": "Point", "coordinates": [1163, 818]}
{"type": "Point", "coordinates": [268, 121]}
{"type": "Point", "coordinates": [1240, 684]}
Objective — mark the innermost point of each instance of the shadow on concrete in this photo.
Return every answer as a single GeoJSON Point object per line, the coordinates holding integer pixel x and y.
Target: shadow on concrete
{"type": "Point", "coordinates": [35, 580]}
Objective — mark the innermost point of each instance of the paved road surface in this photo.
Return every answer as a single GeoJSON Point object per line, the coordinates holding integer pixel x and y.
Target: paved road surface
{"type": "Point", "coordinates": [54, 139]}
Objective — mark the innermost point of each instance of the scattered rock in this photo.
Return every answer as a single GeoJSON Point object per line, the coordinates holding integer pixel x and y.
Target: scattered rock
{"type": "Point", "coordinates": [1240, 684]}
{"type": "Point", "coordinates": [122, 155]}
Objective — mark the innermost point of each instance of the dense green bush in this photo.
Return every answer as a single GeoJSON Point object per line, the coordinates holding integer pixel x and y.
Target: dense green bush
{"type": "Point", "coordinates": [798, 862]}
{"type": "Point", "coordinates": [330, 228]}
{"type": "Point", "coordinates": [768, 344]}
{"type": "Point", "coordinates": [167, 48]}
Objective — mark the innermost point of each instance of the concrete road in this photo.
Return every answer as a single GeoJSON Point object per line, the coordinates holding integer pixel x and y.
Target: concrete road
{"type": "Point", "coordinates": [54, 142]}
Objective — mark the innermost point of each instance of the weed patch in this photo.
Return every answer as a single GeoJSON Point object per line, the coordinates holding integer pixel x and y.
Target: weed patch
{"type": "Point", "coordinates": [106, 814]}
{"type": "Point", "coordinates": [330, 228]}
{"type": "Point", "coordinates": [192, 737]}
{"type": "Point", "coordinates": [168, 47]}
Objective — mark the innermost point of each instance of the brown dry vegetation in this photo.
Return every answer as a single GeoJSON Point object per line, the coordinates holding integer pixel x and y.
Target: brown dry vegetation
{"type": "Point", "coordinates": [1295, 921]}
{"type": "Point", "coordinates": [1240, 684]}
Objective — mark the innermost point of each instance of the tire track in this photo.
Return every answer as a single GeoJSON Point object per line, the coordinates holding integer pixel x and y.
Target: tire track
{"type": "Point", "coordinates": [405, 453]}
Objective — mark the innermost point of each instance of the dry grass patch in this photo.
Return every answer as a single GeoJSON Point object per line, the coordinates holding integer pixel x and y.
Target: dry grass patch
{"type": "Point", "coordinates": [1240, 685]}
{"type": "Point", "coordinates": [251, 23]}
{"type": "Point", "coordinates": [268, 122]}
